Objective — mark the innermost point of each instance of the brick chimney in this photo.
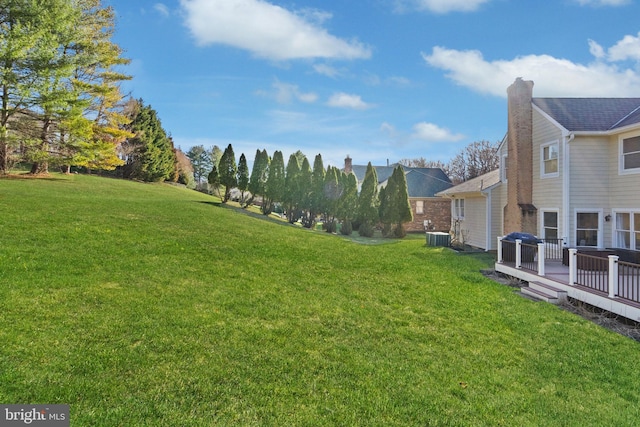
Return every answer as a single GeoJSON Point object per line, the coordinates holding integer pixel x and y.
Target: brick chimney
{"type": "Point", "coordinates": [348, 166]}
{"type": "Point", "coordinates": [520, 213]}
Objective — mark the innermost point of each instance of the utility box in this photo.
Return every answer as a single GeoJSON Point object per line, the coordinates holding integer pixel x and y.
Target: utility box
{"type": "Point", "coordinates": [438, 238]}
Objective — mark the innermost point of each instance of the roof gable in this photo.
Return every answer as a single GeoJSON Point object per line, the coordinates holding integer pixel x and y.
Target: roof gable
{"type": "Point", "coordinates": [474, 185]}
{"type": "Point", "coordinates": [591, 114]}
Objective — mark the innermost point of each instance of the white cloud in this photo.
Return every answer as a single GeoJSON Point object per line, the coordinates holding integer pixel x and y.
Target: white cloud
{"type": "Point", "coordinates": [345, 100]}
{"type": "Point", "coordinates": [327, 70]}
{"type": "Point", "coordinates": [425, 132]}
{"type": "Point", "coordinates": [552, 76]}
{"type": "Point", "coordinates": [162, 9]}
{"type": "Point", "coordinates": [602, 2]}
{"type": "Point", "coordinates": [267, 30]}
{"type": "Point", "coordinates": [443, 6]}
{"type": "Point", "coordinates": [627, 48]}
{"type": "Point", "coordinates": [285, 93]}
{"type": "Point", "coordinates": [429, 132]}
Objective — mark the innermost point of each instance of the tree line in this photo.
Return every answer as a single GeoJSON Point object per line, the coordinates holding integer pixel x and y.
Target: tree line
{"type": "Point", "coordinates": [59, 82]}
{"type": "Point", "coordinates": [475, 159]}
{"type": "Point", "coordinates": [60, 98]}
{"type": "Point", "coordinates": [306, 194]}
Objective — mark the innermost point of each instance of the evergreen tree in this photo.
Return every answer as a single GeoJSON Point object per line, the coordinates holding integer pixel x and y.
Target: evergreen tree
{"type": "Point", "coordinates": [60, 94]}
{"type": "Point", "coordinates": [395, 209]}
{"type": "Point", "coordinates": [228, 172]}
{"type": "Point", "coordinates": [331, 197]}
{"type": "Point", "coordinates": [368, 202]}
{"type": "Point", "coordinates": [305, 193]}
{"type": "Point", "coordinates": [316, 193]}
{"type": "Point", "coordinates": [401, 211]}
{"type": "Point", "coordinates": [348, 202]}
{"type": "Point", "coordinates": [383, 208]}
{"type": "Point", "coordinates": [259, 175]}
{"type": "Point", "coordinates": [292, 192]}
{"type": "Point", "coordinates": [275, 183]}
{"type": "Point", "coordinates": [243, 179]}
{"type": "Point", "coordinates": [154, 158]}
{"type": "Point", "coordinates": [201, 162]}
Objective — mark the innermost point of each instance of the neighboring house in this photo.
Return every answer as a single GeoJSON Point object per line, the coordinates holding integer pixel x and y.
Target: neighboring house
{"type": "Point", "coordinates": [570, 169]}
{"type": "Point", "coordinates": [473, 207]}
{"type": "Point", "coordinates": [429, 212]}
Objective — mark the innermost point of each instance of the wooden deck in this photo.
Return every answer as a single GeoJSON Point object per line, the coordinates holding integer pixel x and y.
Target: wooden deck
{"type": "Point", "coordinates": [604, 289]}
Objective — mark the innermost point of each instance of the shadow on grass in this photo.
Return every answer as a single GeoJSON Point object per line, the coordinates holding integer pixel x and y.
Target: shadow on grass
{"type": "Point", "coordinates": [29, 176]}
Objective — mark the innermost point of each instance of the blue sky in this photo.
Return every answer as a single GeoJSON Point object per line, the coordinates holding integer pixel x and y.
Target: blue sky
{"type": "Point", "coordinates": [372, 79]}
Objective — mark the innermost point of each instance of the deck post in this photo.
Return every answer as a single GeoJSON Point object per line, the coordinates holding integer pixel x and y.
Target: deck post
{"type": "Point", "coordinates": [541, 254]}
{"type": "Point", "coordinates": [573, 266]}
{"type": "Point", "coordinates": [500, 250]}
{"type": "Point", "coordinates": [613, 276]}
{"type": "Point", "coordinates": [518, 253]}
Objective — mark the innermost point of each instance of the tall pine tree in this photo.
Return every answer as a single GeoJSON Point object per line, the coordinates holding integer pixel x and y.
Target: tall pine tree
{"type": "Point", "coordinates": [368, 202]}
{"type": "Point", "coordinates": [228, 171]}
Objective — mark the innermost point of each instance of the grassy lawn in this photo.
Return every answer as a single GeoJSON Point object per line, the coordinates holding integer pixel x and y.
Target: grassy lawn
{"type": "Point", "coordinates": [151, 305]}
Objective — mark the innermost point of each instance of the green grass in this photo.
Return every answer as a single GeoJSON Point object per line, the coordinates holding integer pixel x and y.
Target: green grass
{"type": "Point", "coordinates": [150, 305]}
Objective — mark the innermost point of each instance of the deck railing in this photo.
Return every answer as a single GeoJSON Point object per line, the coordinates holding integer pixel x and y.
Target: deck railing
{"type": "Point", "coordinates": [592, 272]}
{"type": "Point", "coordinates": [529, 256]}
{"type": "Point", "coordinates": [629, 281]}
{"type": "Point", "coordinates": [615, 278]}
{"type": "Point", "coordinates": [553, 249]}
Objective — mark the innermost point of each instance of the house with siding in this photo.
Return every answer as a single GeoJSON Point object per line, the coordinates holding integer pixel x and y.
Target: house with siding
{"type": "Point", "coordinates": [570, 169]}
{"type": "Point", "coordinates": [429, 211]}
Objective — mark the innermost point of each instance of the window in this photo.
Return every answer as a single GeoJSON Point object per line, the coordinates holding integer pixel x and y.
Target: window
{"type": "Point", "coordinates": [627, 230]}
{"type": "Point", "coordinates": [419, 207]}
{"type": "Point", "coordinates": [630, 154]}
{"type": "Point", "coordinates": [550, 224]}
{"type": "Point", "coordinates": [549, 164]}
{"type": "Point", "coordinates": [504, 168]}
{"type": "Point", "coordinates": [587, 228]}
{"type": "Point", "coordinates": [459, 208]}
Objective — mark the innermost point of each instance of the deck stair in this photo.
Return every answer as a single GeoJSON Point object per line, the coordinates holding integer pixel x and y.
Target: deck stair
{"type": "Point", "coordinates": [544, 292]}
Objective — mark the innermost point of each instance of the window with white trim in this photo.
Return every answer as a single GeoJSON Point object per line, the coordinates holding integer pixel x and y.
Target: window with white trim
{"type": "Point", "coordinates": [627, 230]}
{"type": "Point", "coordinates": [630, 154]}
{"type": "Point", "coordinates": [587, 228]}
{"type": "Point", "coordinates": [419, 207]}
{"type": "Point", "coordinates": [459, 208]}
{"type": "Point", "coordinates": [504, 168]}
{"type": "Point", "coordinates": [549, 159]}
{"type": "Point", "coordinates": [550, 225]}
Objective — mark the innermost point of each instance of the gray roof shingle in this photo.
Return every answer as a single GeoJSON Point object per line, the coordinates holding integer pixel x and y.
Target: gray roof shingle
{"type": "Point", "coordinates": [474, 185]}
{"type": "Point", "coordinates": [421, 182]}
{"type": "Point", "coordinates": [591, 114]}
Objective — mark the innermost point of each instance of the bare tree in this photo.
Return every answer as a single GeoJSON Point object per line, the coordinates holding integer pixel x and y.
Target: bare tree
{"type": "Point", "coordinates": [423, 163]}
{"type": "Point", "coordinates": [475, 159]}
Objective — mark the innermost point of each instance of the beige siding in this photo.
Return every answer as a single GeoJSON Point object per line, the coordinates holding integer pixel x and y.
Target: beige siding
{"type": "Point", "coordinates": [497, 204]}
{"type": "Point", "coordinates": [590, 183]}
{"type": "Point", "coordinates": [473, 227]}
{"type": "Point", "coordinates": [624, 192]}
{"type": "Point", "coordinates": [547, 191]}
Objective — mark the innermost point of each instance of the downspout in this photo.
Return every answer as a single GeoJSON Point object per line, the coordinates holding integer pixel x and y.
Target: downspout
{"type": "Point", "coordinates": [566, 186]}
{"type": "Point", "coordinates": [488, 226]}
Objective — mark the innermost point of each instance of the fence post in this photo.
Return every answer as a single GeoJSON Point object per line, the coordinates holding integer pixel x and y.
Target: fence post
{"type": "Point", "coordinates": [573, 266]}
{"type": "Point", "coordinates": [500, 260]}
{"type": "Point", "coordinates": [541, 255]}
{"type": "Point", "coordinates": [613, 276]}
{"type": "Point", "coordinates": [518, 253]}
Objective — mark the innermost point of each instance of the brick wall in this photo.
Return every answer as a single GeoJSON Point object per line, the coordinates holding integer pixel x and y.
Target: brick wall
{"type": "Point", "coordinates": [435, 209]}
{"type": "Point", "coordinates": [519, 213]}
